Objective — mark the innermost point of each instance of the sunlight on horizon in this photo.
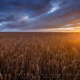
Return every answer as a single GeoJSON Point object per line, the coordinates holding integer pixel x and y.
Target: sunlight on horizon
{"type": "Point", "coordinates": [69, 29]}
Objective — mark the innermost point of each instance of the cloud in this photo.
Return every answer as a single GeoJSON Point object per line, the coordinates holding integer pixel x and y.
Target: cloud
{"type": "Point", "coordinates": [38, 14]}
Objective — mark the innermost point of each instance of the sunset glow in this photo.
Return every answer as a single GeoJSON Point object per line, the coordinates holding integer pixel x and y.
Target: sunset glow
{"type": "Point", "coordinates": [69, 29]}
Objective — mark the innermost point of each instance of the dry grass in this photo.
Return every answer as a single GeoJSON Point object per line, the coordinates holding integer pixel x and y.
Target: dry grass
{"type": "Point", "coordinates": [32, 56]}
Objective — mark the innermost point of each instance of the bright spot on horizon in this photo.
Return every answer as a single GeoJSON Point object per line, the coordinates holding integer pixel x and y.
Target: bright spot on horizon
{"type": "Point", "coordinates": [70, 28]}
{"type": "Point", "coordinates": [62, 29]}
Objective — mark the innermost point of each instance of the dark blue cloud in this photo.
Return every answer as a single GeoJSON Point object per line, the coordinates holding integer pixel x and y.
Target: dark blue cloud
{"type": "Point", "coordinates": [38, 14]}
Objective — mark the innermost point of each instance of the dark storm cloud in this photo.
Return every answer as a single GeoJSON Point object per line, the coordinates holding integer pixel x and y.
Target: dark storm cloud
{"type": "Point", "coordinates": [38, 14]}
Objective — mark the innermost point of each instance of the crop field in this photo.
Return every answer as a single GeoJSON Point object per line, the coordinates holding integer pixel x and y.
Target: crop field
{"type": "Point", "coordinates": [39, 56]}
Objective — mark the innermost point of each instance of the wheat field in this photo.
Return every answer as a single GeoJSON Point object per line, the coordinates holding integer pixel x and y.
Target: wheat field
{"type": "Point", "coordinates": [39, 56]}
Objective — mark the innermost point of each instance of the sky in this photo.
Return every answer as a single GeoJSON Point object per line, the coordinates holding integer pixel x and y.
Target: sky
{"type": "Point", "coordinates": [39, 15]}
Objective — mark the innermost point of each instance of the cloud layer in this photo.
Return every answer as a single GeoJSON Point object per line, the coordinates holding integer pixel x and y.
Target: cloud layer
{"type": "Point", "coordinates": [26, 15]}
